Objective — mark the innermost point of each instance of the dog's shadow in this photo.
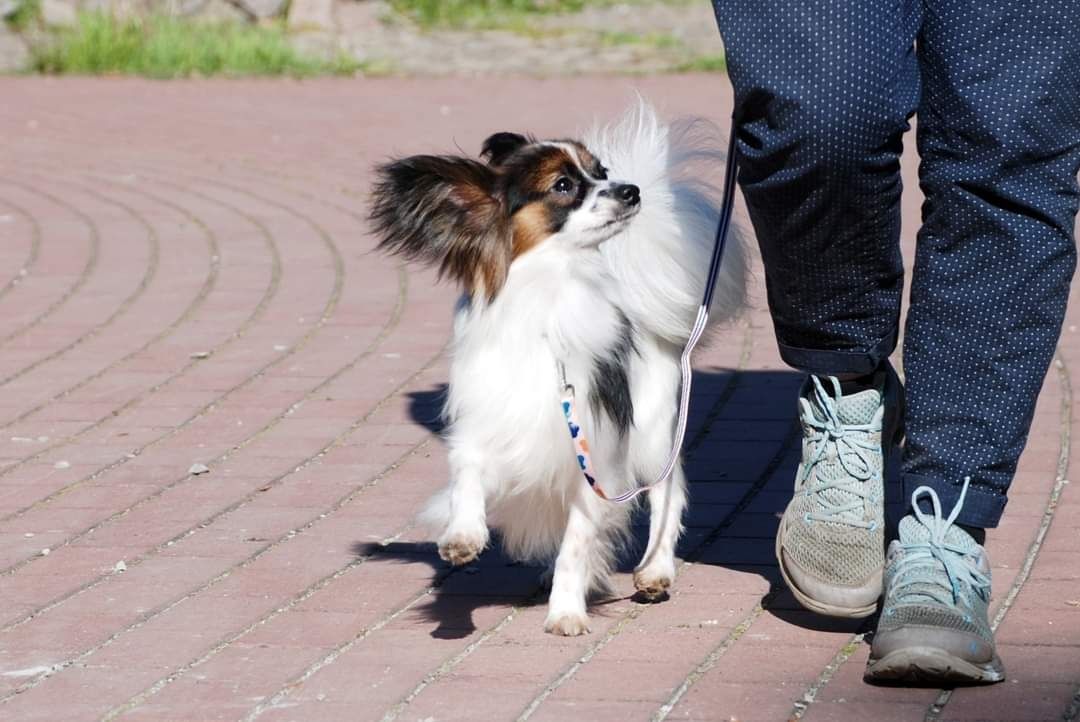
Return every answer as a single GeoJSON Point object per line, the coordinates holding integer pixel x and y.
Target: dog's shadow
{"type": "Point", "coordinates": [460, 595]}
{"type": "Point", "coordinates": [741, 456]}
{"type": "Point", "coordinates": [425, 408]}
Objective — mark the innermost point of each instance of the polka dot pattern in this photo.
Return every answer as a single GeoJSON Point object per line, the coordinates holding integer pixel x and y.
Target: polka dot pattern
{"type": "Point", "coordinates": [824, 89]}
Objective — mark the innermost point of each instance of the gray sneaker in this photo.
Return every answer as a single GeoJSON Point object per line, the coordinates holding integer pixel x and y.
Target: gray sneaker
{"type": "Point", "coordinates": [934, 627]}
{"type": "Point", "coordinates": [831, 540]}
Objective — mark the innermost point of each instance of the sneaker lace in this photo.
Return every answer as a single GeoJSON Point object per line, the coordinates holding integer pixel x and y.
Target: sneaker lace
{"type": "Point", "coordinates": [853, 446]}
{"type": "Point", "coordinates": [935, 555]}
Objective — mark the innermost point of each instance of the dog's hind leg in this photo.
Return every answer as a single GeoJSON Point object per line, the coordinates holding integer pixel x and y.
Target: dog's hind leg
{"type": "Point", "coordinates": [650, 444]}
{"type": "Point", "coordinates": [466, 532]}
{"type": "Point", "coordinates": [656, 571]}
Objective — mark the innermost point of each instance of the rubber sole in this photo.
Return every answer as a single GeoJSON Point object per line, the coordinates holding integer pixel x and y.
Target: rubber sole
{"type": "Point", "coordinates": [930, 666]}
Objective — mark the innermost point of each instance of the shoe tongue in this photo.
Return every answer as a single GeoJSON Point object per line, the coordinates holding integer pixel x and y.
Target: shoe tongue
{"type": "Point", "coordinates": [913, 531]}
{"type": "Point", "coordinates": [858, 408]}
{"type": "Point", "coordinates": [930, 583]}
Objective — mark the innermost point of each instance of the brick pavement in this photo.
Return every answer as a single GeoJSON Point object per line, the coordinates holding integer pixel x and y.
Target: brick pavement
{"type": "Point", "coordinates": [185, 277]}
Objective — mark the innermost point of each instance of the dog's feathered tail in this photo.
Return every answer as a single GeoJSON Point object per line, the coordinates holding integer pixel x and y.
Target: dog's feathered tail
{"type": "Point", "coordinates": [662, 258]}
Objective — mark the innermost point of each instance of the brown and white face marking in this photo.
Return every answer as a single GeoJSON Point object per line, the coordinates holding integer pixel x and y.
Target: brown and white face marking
{"type": "Point", "coordinates": [558, 192]}
{"type": "Point", "coordinates": [471, 220]}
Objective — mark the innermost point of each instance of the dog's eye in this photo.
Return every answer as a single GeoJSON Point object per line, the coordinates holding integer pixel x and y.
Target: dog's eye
{"type": "Point", "coordinates": [601, 172]}
{"type": "Point", "coordinates": [564, 185]}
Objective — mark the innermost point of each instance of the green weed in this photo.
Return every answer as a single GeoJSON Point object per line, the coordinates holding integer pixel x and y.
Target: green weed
{"type": "Point", "coordinates": [164, 47]}
{"type": "Point", "coordinates": [704, 64]}
{"type": "Point", "coordinates": [25, 14]}
{"type": "Point", "coordinates": [478, 13]}
{"type": "Point", "coordinates": [660, 41]}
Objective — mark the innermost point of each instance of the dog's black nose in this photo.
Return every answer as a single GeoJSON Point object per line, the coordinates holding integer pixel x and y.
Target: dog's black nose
{"type": "Point", "coordinates": [629, 194]}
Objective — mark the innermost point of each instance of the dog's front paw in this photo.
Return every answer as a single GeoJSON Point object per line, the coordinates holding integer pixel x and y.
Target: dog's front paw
{"type": "Point", "coordinates": [461, 548]}
{"type": "Point", "coordinates": [567, 624]}
{"type": "Point", "coordinates": [653, 581]}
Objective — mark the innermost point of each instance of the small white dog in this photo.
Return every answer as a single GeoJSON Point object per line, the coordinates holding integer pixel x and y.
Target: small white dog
{"type": "Point", "coordinates": [587, 255]}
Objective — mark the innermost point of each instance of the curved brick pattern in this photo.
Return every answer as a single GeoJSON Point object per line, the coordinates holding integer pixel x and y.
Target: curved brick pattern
{"type": "Point", "coordinates": [182, 287]}
{"type": "Point", "coordinates": [22, 244]}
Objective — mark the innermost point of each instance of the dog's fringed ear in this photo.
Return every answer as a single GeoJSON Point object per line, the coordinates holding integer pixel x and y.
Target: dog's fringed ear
{"type": "Point", "coordinates": [500, 146]}
{"type": "Point", "coordinates": [444, 211]}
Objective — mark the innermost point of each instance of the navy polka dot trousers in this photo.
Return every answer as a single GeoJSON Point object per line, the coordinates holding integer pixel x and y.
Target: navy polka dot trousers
{"type": "Point", "coordinates": [824, 90]}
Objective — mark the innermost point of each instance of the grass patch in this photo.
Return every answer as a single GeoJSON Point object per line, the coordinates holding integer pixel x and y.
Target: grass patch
{"type": "Point", "coordinates": [164, 47]}
{"type": "Point", "coordinates": [25, 15]}
{"type": "Point", "coordinates": [661, 41]}
{"type": "Point", "coordinates": [704, 64]}
{"type": "Point", "coordinates": [494, 14]}
{"type": "Point", "coordinates": [520, 17]}
{"type": "Point", "coordinates": [479, 14]}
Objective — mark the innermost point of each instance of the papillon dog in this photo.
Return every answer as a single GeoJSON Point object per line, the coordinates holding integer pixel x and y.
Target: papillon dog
{"type": "Point", "coordinates": [584, 260]}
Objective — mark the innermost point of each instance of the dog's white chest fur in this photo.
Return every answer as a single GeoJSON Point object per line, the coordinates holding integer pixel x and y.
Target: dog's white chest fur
{"type": "Point", "coordinates": [505, 387]}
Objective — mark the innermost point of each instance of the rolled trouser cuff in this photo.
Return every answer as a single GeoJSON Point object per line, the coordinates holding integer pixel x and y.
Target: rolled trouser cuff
{"type": "Point", "coordinates": [983, 506]}
{"type": "Point", "coordinates": [821, 362]}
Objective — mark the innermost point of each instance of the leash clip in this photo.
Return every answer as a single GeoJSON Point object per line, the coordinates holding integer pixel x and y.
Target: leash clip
{"type": "Point", "coordinates": [568, 389]}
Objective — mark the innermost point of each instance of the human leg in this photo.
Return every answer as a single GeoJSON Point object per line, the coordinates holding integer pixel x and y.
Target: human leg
{"type": "Point", "coordinates": [823, 91]}
{"type": "Point", "coordinates": [999, 137]}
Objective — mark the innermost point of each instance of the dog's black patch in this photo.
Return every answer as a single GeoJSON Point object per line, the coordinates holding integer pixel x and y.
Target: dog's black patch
{"type": "Point", "coordinates": [611, 381]}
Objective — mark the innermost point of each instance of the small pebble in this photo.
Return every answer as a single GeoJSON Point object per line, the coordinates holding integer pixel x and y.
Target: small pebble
{"type": "Point", "coordinates": [120, 566]}
{"type": "Point", "coordinates": [200, 355]}
{"type": "Point", "coordinates": [198, 468]}
{"type": "Point", "coordinates": [62, 465]}
{"type": "Point", "coordinates": [280, 347]}
{"type": "Point", "coordinates": [45, 551]}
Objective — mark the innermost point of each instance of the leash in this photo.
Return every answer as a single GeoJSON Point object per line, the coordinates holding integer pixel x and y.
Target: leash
{"type": "Point", "coordinates": [569, 407]}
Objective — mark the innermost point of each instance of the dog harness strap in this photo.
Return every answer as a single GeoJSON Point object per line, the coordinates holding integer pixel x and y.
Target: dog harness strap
{"type": "Point", "coordinates": [573, 422]}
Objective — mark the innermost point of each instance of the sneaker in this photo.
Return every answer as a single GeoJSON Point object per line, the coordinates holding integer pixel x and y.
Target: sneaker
{"type": "Point", "coordinates": [934, 627]}
{"type": "Point", "coordinates": [831, 540]}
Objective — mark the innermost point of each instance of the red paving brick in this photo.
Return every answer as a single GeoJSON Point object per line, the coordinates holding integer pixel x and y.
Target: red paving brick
{"type": "Point", "coordinates": [199, 286]}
